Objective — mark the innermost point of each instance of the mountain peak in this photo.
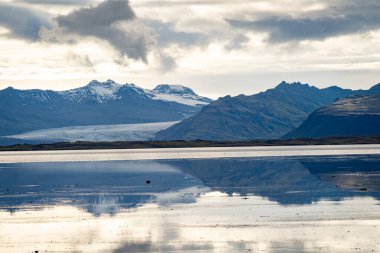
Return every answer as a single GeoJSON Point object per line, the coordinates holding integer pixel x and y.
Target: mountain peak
{"type": "Point", "coordinates": [109, 82]}
{"type": "Point", "coordinates": [94, 90]}
{"type": "Point", "coordinates": [292, 87]}
{"type": "Point", "coordinates": [283, 83]}
{"type": "Point", "coordinates": [173, 89]}
{"type": "Point", "coordinates": [94, 82]}
{"type": "Point", "coordinates": [179, 94]}
{"type": "Point", "coordinates": [9, 88]}
{"type": "Point", "coordinates": [287, 85]}
{"type": "Point", "coordinates": [375, 88]}
{"type": "Point", "coordinates": [9, 91]}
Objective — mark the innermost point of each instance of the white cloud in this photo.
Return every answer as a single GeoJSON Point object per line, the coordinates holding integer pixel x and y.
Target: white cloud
{"type": "Point", "coordinates": [192, 42]}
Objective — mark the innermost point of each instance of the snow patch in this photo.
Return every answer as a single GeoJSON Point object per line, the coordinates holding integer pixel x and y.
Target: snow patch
{"type": "Point", "coordinates": [103, 92]}
{"type": "Point", "coordinates": [41, 96]}
{"type": "Point", "coordinates": [179, 94]}
{"type": "Point", "coordinates": [169, 88]}
{"type": "Point", "coordinates": [192, 101]}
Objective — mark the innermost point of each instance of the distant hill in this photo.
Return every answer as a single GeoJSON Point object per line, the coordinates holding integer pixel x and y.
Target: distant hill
{"type": "Point", "coordinates": [267, 115]}
{"type": "Point", "coordinates": [98, 103]}
{"type": "Point", "coordinates": [352, 116]}
{"type": "Point", "coordinates": [375, 88]}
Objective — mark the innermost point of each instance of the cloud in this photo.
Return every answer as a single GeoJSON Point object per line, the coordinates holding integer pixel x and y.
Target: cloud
{"type": "Point", "coordinates": [287, 29]}
{"type": "Point", "coordinates": [340, 18]}
{"type": "Point", "coordinates": [171, 3]}
{"type": "Point", "coordinates": [237, 42]}
{"type": "Point", "coordinates": [112, 21]}
{"type": "Point", "coordinates": [56, 2]}
{"type": "Point", "coordinates": [166, 35]}
{"type": "Point", "coordinates": [23, 22]}
{"type": "Point", "coordinates": [167, 63]}
{"type": "Point", "coordinates": [102, 15]}
{"type": "Point", "coordinates": [82, 60]}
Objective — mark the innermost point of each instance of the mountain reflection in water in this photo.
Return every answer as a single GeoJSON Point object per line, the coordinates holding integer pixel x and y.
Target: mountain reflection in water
{"type": "Point", "coordinates": [308, 204]}
{"type": "Point", "coordinates": [108, 187]}
{"type": "Point", "coordinates": [290, 180]}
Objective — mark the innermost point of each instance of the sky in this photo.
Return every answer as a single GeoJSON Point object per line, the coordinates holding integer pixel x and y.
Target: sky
{"type": "Point", "coordinates": [216, 47]}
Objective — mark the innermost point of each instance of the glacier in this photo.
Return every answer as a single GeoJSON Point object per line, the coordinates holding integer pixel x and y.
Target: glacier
{"type": "Point", "coordinates": [118, 132]}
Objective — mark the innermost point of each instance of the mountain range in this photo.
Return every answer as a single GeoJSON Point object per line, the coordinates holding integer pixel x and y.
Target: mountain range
{"type": "Point", "coordinates": [352, 116]}
{"type": "Point", "coordinates": [108, 111]}
{"type": "Point", "coordinates": [266, 115]}
{"type": "Point", "coordinates": [97, 103]}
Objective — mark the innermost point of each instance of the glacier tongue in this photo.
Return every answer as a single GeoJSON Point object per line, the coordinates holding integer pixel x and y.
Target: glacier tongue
{"type": "Point", "coordinates": [118, 132]}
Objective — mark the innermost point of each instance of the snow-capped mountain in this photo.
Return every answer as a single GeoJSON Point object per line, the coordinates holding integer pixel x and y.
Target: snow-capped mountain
{"type": "Point", "coordinates": [103, 92]}
{"type": "Point", "coordinates": [179, 94]}
{"type": "Point", "coordinates": [98, 91]}
{"type": "Point", "coordinates": [97, 103]}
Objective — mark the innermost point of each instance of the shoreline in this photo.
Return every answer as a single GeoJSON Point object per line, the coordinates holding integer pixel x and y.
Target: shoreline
{"type": "Point", "coordinates": [84, 145]}
{"type": "Point", "coordinates": [185, 153]}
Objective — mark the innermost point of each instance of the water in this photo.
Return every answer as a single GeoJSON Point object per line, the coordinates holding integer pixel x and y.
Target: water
{"type": "Point", "coordinates": [254, 204]}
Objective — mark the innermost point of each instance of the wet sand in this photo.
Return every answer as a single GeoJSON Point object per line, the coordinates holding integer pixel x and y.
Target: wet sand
{"type": "Point", "coordinates": [186, 153]}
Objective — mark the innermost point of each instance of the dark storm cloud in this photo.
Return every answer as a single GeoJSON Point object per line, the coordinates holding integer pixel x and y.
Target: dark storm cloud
{"type": "Point", "coordinates": [166, 3]}
{"type": "Point", "coordinates": [340, 19]}
{"type": "Point", "coordinates": [56, 2]}
{"type": "Point", "coordinates": [103, 15]}
{"type": "Point", "coordinates": [112, 21]}
{"type": "Point", "coordinates": [283, 29]}
{"type": "Point", "coordinates": [22, 22]}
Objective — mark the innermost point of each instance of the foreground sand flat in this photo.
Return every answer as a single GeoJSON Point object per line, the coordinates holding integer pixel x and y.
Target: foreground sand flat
{"type": "Point", "coordinates": [185, 153]}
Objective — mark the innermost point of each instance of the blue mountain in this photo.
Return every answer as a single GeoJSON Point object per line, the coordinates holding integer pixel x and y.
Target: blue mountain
{"type": "Point", "coordinates": [98, 103]}
{"type": "Point", "coordinates": [266, 115]}
{"type": "Point", "coordinates": [353, 116]}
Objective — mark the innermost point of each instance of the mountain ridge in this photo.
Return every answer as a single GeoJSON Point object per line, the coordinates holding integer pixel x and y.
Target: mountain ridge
{"type": "Point", "coordinates": [266, 115]}
{"type": "Point", "coordinates": [352, 116]}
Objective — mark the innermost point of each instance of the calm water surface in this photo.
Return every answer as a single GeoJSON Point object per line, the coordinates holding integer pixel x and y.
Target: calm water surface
{"type": "Point", "coordinates": [257, 204]}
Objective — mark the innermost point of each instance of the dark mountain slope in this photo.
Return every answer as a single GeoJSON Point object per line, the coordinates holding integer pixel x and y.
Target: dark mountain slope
{"type": "Point", "coordinates": [267, 115]}
{"type": "Point", "coordinates": [352, 116]}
